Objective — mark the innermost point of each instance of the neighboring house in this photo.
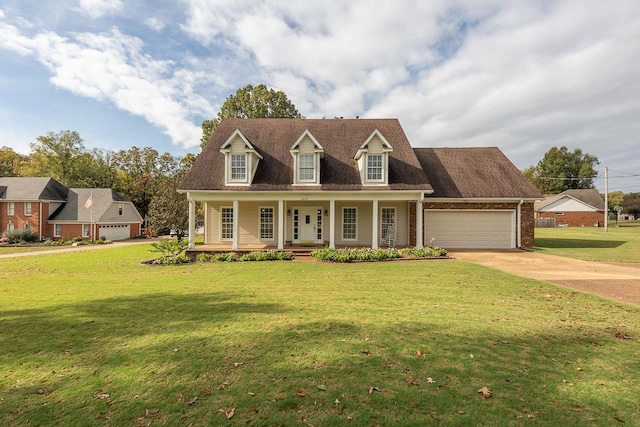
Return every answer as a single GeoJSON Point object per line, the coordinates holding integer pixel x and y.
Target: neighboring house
{"type": "Point", "coordinates": [358, 182]}
{"type": "Point", "coordinates": [52, 210]}
{"type": "Point", "coordinates": [573, 208]}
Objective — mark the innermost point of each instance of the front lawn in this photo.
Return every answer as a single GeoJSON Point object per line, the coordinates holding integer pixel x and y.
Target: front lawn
{"type": "Point", "coordinates": [618, 244]}
{"type": "Point", "coordinates": [94, 338]}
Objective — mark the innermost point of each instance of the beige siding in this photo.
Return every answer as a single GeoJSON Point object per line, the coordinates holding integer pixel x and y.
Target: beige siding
{"type": "Point", "coordinates": [363, 223]}
{"type": "Point", "coordinates": [306, 146]}
{"type": "Point", "coordinates": [212, 228]}
{"type": "Point", "coordinates": [238, 146]}
{"type": "Point", "coordinates": [249, 222]}
{"type": "Point", "coordinates": [375, 145]}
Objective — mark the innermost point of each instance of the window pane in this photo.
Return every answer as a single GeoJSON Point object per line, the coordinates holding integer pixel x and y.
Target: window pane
{"type": "Point", "coordinates": [388, 217]}
{"type": "Point", "coordinates": [238, 167]}
{"type": "Point", "coordinates": [266, 223]}
{"type": "Point", "coordinates": [27, 208]}
{"type": "Point", "coordinates": [226, 230]}
{"type": "Point", "coordinates": [10, 208]}
{"type": "Point", "coordinates": [306, 167]}
{"type": "Point", "coordinates": [374, 167]}
{"type": "Point", "coordinates": [349, 223]}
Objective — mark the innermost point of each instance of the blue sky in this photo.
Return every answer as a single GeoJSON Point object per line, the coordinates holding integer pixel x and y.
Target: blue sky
{"type": "Point", "coordinates": [521, 75]}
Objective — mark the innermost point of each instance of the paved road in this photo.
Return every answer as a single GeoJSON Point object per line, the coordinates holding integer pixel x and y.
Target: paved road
{"type": "Point", "coordinates": [612, 280]}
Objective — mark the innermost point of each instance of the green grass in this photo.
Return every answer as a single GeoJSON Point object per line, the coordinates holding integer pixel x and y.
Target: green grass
{"type": "Point", "coordinates": [618, 244]}
{"type": "Point", "coordinates": [20, 249]}
{"type": "Point", "coordinates": [94, 338]}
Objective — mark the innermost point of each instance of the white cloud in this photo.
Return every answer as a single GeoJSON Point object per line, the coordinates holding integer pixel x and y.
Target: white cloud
{"type": "Point", "coordinates": [98, 8]}
{"type": "Point", "coordinates": [112, 66]}
{"type": "Point", "coordinates": [155, 24]}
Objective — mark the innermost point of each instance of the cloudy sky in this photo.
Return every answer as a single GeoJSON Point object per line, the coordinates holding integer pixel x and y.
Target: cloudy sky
{"type": "Point", "coordinates": [521, 75]}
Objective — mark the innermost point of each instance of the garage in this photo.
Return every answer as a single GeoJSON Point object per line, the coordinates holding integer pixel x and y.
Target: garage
{"type": "Point", "coordinates": [470, 229]}
{"type": "Point", "coordinates": [114, 232]}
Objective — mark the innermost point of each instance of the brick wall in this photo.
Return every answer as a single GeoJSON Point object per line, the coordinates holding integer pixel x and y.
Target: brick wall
{"type": "Point", "coordinates": [19, 217]}
{"type": "Point", "coordinates": [526, 216]}
{"type": "Point", "coordinates": [575, 219]}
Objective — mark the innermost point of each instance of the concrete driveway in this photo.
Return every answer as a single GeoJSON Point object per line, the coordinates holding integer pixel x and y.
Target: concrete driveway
{"type": "Point", "coordinates": [612, 280]}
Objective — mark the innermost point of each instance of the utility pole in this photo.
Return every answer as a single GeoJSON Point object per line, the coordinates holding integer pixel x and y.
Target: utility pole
{"type": "Point", "coordinates": [606, 199]}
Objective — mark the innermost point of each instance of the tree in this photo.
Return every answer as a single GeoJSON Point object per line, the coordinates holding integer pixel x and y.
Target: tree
{"type": "Point", "coordinates": [615, 198]}
{"type": "Point", "coordinates": [56, 154]}
{"type": "Point", "coordinates": [251, 102]}
{"type": "Point", "coordinates": [9, 162]}
{"type": "Point", "coordinates": [561, 169]}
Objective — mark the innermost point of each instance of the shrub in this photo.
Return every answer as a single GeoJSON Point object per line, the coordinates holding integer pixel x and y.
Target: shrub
{"type": "Point", "coordinates": [225, 257]}
{"type": "Point", "coordinates": [350, 255]}
{"type": "Point", "coordinates": [20, 236]}
{"type": "Point", "coordinates": [172, 260]}
{"type": "Point", "coordinates": [427, 252]}
{"type": "Point", "coordinates": [267, 256]}
{"type": "Point", "coordinates": [103, 242]}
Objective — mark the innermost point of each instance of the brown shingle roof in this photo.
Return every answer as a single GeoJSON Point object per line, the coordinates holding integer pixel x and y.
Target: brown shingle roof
{"type": "Point", "coordinates": [474, 173]}
{"type": "Point", "coordinates": [341, 138]}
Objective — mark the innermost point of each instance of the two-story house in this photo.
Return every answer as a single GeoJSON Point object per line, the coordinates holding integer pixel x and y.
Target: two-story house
{"type": "Point", "coordinates": [275, 183]}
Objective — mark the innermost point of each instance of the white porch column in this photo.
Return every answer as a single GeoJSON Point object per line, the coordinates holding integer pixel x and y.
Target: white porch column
{"type": "Point", "coordinates": [280, 224]}
{"type": "Point", "coordinates": [236, 215]}
{"type": "Point", "coordinates": [374, 226]}
{"type": "Point", "coordinates": [192, 223]}
{"type": "Point", "coordinates": [419, 225]}
{"type": "Point", "coordinates": [332, 224]}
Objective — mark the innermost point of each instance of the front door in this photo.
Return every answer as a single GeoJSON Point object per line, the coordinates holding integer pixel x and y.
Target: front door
{"type": "Point", "coordinates": [307, 225]}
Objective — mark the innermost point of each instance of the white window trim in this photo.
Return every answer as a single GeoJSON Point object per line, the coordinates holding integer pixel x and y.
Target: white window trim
{"type": "Point", "coordinates": [226, 239]}
{"type": "Point", "coordinates": [395, 219]}
{"type": "Point", "coordinates": [83, 230]}
{"type": "Point", "coordinates": [382, 167]}
{"type": "Point", "coordinates": [273, 224]}
{"type": "Point", "coordinates": [121, 209]}
{"type": "Point", "coordinates": [246, 166]}
{"type": "Point", "coordinates": [57, 230]}
{"type": "Point", "coordinates": [10, 226]}
{"type": "Point", "coordinates": [25, 208]}
{"type": "Point", "coordinates": [11, 208]}
{"type": "Point", "coordinates": [312, 180]}
{"type": "Point", "coordinates": [356, 224]}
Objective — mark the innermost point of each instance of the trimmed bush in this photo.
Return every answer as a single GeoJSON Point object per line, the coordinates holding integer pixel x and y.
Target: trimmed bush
{"type": "Point", "coordinates": [267, 256]}
{"type": "Point", "coordinates": [351, 255]}
{"type": "Point", "coordinates": [20, 236]}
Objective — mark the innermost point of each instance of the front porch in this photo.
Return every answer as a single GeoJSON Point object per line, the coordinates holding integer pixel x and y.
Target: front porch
{"type": "Point", "coordinates": [296, 250]}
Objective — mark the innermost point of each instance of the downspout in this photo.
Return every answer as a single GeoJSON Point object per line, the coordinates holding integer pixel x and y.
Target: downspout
{"type": "Point", "coordinates": [40, 220]}
{"type": "Point", "coordinates": [519, 226]}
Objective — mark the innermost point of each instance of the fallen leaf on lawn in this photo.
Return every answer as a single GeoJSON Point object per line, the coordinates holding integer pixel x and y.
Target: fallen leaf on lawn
{"type": "Point", "coordinates": [578, 368]}
{"type": "Point", "coordinates": [367, 352]}
{"type": "Point", "coordinates": [372, 389]}
{"type": "Point", "coordinates": [192, 400]}
{"type": "Point", "coordinates": [301, 393]}
{"type": "Point", "coordinates": [102, 396]}
{"type": "Point", "coordinates": [411, 382]}
{"type": "Point", "coordinates": [41, 391]}
{"type": "Point", "coordinates": [619, 335]}
{"type": "Point", "coordinates": [322, 387]}
{"type": "Point", "coordinates": [420, 352]}
{"type": "Point", "coordinates": [471, 355]}
{"type": "Point", "coordinates": [149, 412]}
{"type": "Point", "coordinates": [236, 364]}
{"type": "Point", "coordinates": [175, 350]}
{"type": "Point", "coordinates": [337, 402]}
{"type": "Point", "coordinates": [251, 393]}
{"type": "Point", "coordinates": [431, 380]}
{"type": "Point", "coordinates": [228, 414]}
{"type": "Point", "coordinates": [486, 393]}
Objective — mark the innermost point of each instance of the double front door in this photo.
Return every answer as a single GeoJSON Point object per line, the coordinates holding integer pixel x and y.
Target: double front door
{"type": "Point", "coordinates": [307, 225]}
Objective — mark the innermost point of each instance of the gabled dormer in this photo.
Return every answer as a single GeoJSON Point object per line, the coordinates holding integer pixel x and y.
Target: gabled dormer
{"type": "Point", "coordinates": [306, 153]}
{"type": "Point", "coordinates": [240, 160]}
{"type": "Point", "coordinates": [373, 159]}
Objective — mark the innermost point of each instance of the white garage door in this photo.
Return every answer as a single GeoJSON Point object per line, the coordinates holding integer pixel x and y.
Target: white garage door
{"type": "Point", "coordinates": [468, 229]}
{"type": "Point", "coordinates": [114, 232]}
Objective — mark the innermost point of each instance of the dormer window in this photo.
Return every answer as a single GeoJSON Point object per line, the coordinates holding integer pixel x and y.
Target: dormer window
{"type": "Point", "coordinates": [306, 153]}
{"type": "Point", "coordinates": [239, 167]}
{"type": "Point", "coordinates": [240, 159]}
{"type": "Point", "coordinates": [373, 160]}
{"type": "Point", "coordinates": [374, 167]}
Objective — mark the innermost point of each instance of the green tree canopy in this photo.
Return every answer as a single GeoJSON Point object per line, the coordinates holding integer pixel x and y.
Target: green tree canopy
{"type": "Point", "coordinates": [251, 102]}
{"type": "Point", "coordinates": [561, 169]}
{"type": "Point", "coordinates": [9, 162]}
{"type": "Point", "coordinates": [56, 155]}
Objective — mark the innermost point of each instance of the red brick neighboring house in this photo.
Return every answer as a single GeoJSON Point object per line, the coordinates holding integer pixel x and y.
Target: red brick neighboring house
{"type": "Point", "coordinates": [54, 211]}
{"type": "Point", "coordinates": [353, 182]}
{"type": "Point", "coordinates": [573, 208]}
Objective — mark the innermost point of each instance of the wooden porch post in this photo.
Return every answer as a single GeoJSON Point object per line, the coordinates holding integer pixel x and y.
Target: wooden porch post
{"type": "Point", "coordinates": [374, 226]}
{"type": "Point", "coordinates": [236, 216]}
{"type": "Point", "coordinates": [280, 224]}
{"type": "Point", "coordinates": [419, 225]}
{"type": "Point", "coordinates": [332, 224]}
{"type": "Point", "coordinates": [192, 223]}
